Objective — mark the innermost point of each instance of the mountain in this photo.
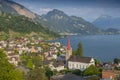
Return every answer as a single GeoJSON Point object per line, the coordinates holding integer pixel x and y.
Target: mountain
{"type": "Point", "coordinates": [20, 25]}
{"type": "Point", "coordinates": [106, 21]}
{"type": "Point", "coordinates": [16, 20]}
{"type": "Point", "coordinates": [55, 20]}
{"type": "Point", "coordinates": [60, 22]}
{"type": "Point", "coordinates": [15, 8]}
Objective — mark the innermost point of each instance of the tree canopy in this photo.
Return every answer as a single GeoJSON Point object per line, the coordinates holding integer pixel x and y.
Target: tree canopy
{"type": "Point", "coordinates": [38, 72]}
{"type": "Point", "coordinates": [79, 50]}
{"type": "Point", "coordinates": [92, 70]}
{"type": "Point", "coordinates": [7, 70]}
{"type": "Point", "coordinates": [116, 61]}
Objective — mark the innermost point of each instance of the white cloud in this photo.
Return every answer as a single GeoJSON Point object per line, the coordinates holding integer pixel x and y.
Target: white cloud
{"type": "Point", "coordinates": [45, 10]}
{"type": "Point", "coordinates": [88, 13]}
{"type": "Point", "coordinates": [40, 11]}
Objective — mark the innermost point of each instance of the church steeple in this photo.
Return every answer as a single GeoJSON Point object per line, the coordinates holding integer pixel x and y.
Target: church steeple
{"type": "Point", "coordinates": [68, 46]}
{"type": "Point", "coordinates": [68, 49]}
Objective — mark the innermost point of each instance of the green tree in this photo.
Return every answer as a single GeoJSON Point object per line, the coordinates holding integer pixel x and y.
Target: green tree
{"type": "Point", "coordinates": [116, 68]}
{"type": "Point", "coordinates": [79, 50]}
{"type": "Point", "coordinates": [2, 54]}
{"type": "Point", "coordinates": [116, 61]}
{"type": "Point", "coordinates": [7, 71]}
{"type": "Point", "coordinates": [65, 71]}
{"type": "Point", "coordinates": [16, 51]}
{"type": "Point", "coordinates": [48, 72]}
{"type": "Point", "coordinates": [97, 62]}
{"type": "Point", "coordinates": [38, 72]}
{"type": "Point", "coordinates": [30, 64]}
{"type": "Point", "coordinates": [58, 53]}
{"type": "Point", "coordinates": [76, 72]}
{"type": "Point", "coordinates": [55, 72]}
{"type": "Point", "coordinates": [92, 70]}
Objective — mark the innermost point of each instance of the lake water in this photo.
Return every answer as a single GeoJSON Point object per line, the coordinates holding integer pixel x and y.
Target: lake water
{"type": "Point", "coordinates": [102, 47]}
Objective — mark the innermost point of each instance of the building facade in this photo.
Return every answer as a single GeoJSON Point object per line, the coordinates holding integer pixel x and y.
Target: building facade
{"type": "Point", "coordinates": [76, 62]}
{"type": "Point", "coordinates": [68, 50]}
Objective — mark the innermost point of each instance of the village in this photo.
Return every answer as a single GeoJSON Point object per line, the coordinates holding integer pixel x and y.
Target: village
{"type": "Point", "coordinates": [57, 57]}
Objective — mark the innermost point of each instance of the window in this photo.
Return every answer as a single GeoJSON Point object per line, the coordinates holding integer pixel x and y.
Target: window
{"type": "Point", "coordinates": [70, 65]}
{"type": "Point", "coordinates": [77, 65]}
{"type": "Point", "coordinates": [83, 66]}
{"type": "Point", "coordinates": [80, 66]}
{"type": "Point", "coordinates": [73, 65]}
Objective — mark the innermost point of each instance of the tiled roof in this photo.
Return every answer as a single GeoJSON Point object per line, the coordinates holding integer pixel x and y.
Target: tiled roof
{"type": "Point", "coordinates": [59, 63]}
{"type": "Point", "coordinates": [80, 59]}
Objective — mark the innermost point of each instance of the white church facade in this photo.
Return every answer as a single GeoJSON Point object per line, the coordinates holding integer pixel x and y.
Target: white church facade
{"type": "Point", "coordinates": [77, 62]}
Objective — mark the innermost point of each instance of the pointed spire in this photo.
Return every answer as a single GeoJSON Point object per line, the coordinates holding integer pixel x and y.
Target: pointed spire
{"type": "Point", "coordinates": [68, 46]}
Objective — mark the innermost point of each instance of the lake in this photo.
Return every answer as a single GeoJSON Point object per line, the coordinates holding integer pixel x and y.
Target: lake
{"type": "Point", "coordinates": [102, 47]}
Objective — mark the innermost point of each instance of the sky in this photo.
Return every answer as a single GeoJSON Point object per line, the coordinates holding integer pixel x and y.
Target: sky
{"type": "Point", "coordinates": [87, 9]}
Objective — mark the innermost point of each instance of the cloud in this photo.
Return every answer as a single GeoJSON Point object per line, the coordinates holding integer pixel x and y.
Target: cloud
{"type": "Point", "coordinates": [88, 13]}
{"type": "Point", "coordinates": [40, 11]}
{"type": "Point", "coordinates": [45, 10]}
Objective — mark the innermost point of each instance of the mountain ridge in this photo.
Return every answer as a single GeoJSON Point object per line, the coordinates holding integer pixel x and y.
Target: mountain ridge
{"type": "Point", "coordinates": [21, 23]}
{"type": "Point", "coordinates": [60, 22]}
{"type": "Point", "coordinates": [15, 8]}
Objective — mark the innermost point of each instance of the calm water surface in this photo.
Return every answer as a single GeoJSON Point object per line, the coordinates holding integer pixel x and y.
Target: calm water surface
{"type": "Point", "coordinates": [103, 47]}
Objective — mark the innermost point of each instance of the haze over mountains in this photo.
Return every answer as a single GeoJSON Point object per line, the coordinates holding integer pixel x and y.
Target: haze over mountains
{"type": "Point", "coordinates": [106, 22]}
{"type": "Point", "coordinates": [57, 20]}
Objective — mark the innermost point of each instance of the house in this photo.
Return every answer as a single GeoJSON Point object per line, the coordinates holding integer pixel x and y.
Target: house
{"type": "Point", "coordinates": [57, 44]}
{"type": "Point", "coordinates": [108, 74]}
{"type": "Point", "coordinates": [39, 49]}
{"type": "Point", "coordinates": [33, 50]}
{"type": "Point", "coordinates": [9, 50]}
{"type": "Point", "coordinates": [66, 77]}
{"type": "Point", "coordinates": [47, 62]}
{"type": "Point", "coordinates": [57, 66]}
{"type": "Point", "coordinates": [52, 56]}
{"type": "Point", "coordinates": [13, 58]}
{"type": "Point", "coordinates": [77, 62]}
{"type": "Point", "coordinates": [46, 54]}
{"type": "Point", "coordinates": [61, 57]}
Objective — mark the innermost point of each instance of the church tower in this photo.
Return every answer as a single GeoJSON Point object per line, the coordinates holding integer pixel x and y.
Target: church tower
{"type": "Point", "coordinates": [68, 49]}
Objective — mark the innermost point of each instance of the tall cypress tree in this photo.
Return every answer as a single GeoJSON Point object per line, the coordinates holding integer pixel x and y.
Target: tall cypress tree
{"type": "Point", "coordinates": [79, 50]}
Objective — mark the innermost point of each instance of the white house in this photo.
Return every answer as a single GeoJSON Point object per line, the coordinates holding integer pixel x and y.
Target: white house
{"type": "Point", "coordinates": [77, 62]}
{"type": "Point", "coordinates": [14, 61]}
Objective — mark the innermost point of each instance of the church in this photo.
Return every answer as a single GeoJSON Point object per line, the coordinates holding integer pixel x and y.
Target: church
{"type": "Point", "coordinates": [75, 61]}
